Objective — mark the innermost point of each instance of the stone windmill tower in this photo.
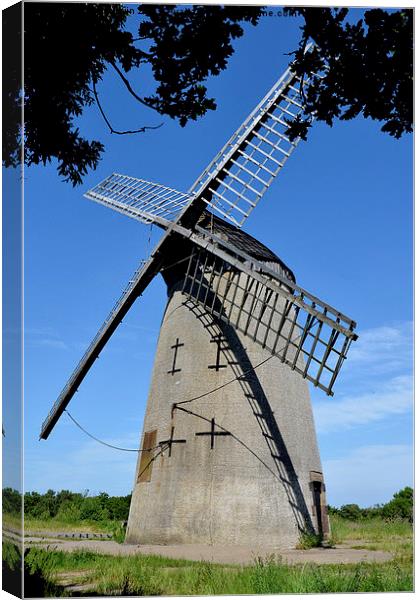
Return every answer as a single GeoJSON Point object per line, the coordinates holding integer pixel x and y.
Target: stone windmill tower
{"type": "Point", "coordinates": [229, 451]}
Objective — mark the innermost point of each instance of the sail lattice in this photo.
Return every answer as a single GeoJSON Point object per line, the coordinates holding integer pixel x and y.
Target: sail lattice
{"type": "Point", "coordinates": [143, 200]}
{"type": "Point", "coordinates": [239, 175]}
{"type": "Point", "coordinates": [302, 331]}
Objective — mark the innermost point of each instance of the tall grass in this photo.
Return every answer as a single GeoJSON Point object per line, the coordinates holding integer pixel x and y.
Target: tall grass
{"type": "Point", "coordinates": [156, 575]}
{"type": "Point", "coordinates": [11, 556]}
{"type": "Point", "coordinates": [376, 534]}
{"type": "Point", "coordinates": [370, 530]}
{"type": "Point", "coordinates": [11, 520]}
{"type": "Point", "coordinates": [57, 524]}
{"type": "Point", "coordinates": [153, 575]}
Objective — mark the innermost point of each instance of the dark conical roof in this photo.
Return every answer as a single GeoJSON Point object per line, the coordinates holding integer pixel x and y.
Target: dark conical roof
{"type": "Point", "coordinates": [244, 242]}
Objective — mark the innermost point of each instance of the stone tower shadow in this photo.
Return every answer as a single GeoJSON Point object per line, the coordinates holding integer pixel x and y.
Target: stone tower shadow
{"type": "Point", "coordinates": [237, 357]}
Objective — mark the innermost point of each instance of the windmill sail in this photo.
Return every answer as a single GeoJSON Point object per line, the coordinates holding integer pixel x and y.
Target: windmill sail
{"type": "Point", "coordinates": [239, 175]}
{"type": "Point", "coordinates": [304, 332]}
{"type": "Point", "coordinates": [235, 180]}
{"type": "Point", "coordinates": [140, 280]}
{"type": "Point", "coordinates": [143, 200]}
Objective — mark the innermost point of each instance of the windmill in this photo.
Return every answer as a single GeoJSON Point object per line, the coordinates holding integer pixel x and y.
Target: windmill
{"type": "Point", "coordinates": [229, 451]}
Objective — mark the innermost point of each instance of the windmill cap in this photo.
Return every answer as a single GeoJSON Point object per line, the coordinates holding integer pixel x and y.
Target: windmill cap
{"type": "Point", "coordinates": [244, 242]}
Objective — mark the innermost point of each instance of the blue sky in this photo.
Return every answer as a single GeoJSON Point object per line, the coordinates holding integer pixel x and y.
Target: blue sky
{"type": "Point", "coordinates": [339, 214]}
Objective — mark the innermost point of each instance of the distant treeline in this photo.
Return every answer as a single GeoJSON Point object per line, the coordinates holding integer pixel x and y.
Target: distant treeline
{"type": "Point", "coordinates": [73, 507]}
{"type": "Point", "coordinates": [67, 506]}
{"type": "Point", "coordinates": [400, 507]}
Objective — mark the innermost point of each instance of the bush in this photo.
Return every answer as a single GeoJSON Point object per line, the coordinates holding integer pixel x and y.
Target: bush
{"type": "Point", "coordinates": [93, 510]}
{"type": "Point", "coordinates": [351, 512]}
{"type": "Point", "coordinates": [119, 507]}
{"type": "Point", "coordinates": [118, 533]}
{"type": "Point", "coordinates": [12, 501]}
{"type": "Point", "coordinates": [332, 510]}
{"type": "Point", "coordinates": [69, 506]}
{"type": "Point", "coordinates": [309, 540]}
{"type": "Point", "coordinates": [401, 506]}
{"type": "Point", "coordinates": [69, 512]}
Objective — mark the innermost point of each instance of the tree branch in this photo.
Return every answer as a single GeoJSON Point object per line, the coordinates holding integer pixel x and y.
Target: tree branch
{"type": "Point", "coordinates": [111, 129]}
{"type": "Point", "coordinates": [128, 86]}
{"type": "Point", "coordinates": [144, 54]}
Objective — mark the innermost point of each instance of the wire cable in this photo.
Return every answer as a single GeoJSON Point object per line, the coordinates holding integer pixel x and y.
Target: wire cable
{"type": "Point", "coordinates": [235, 437]}
{"type": "Point", "coordinates": [223, 385]}
{"type": "Point", "coordinates": [178, 262]}
{"type": "Point", "coordinates": [106, 443]}
{"type": "Point", "coordinates": [238, 377]}
{"type": "Point", "coordinates": [178, 404]}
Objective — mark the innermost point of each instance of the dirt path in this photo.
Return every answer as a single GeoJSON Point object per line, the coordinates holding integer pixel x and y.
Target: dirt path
{"type": "Point", "coordinates": [240, 555]}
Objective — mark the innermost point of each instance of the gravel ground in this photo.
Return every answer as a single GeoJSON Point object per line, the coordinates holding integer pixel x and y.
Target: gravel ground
{"type": "Point", "coordinates": [220, 554]}
{"type": "Point", "coordinates": [241, 555]}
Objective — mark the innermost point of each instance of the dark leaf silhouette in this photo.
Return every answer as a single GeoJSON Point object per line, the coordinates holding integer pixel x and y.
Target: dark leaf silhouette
{"type": "Point", "coordinates": [68, 48]}
{"type": "Point", "coordinates": [362, 68]}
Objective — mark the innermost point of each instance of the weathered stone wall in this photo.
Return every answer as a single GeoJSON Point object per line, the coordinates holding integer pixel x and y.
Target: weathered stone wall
{"type": "Point", "coordinates": [253, 486]}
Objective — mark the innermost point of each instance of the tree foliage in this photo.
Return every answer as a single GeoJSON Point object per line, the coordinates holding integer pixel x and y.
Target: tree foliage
{"type": "Point", "coordinates": [351, 511]}
{"type": "Point", "coordinates": [400, 507]}
{"type": "Point", "coordinates": [363, 68]}
{"type": "Point", "coordinates": [67, 506]}
{"type": "Point", "coordinates": [73, 506]}
{"type": "Point", "coordinates": [68, 48]}
{"type": "Point", "coordinates": [187, 45]}
{"type": "Point", "coordinates": [11, 501]}
{"type": "Point", "coordinates": [366, 70]}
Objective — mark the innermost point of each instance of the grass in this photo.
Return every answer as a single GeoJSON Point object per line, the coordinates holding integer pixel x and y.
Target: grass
{"type": "Point", "coordinates": [55, 524]}
{"type": "Point", "coordinates": [69, 526]}
{"type": "Point", "coordinates": [11, 520]}
{"type": "Point", "coordinates": [11, 555]}
{"type": "Point", "coordinates": [375, 529]}
{"type": "Point", "coordinates": [152, 575]}
{"type": "Point", "coordinates": [375, 534]}
{"type": "Point", "coordinates": [155, 575]}
{"type": "Point", "coordinates": [309, 540]}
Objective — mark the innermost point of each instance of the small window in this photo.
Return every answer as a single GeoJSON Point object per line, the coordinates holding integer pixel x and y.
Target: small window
{"type": "Point", "coordinates": [146, 460]}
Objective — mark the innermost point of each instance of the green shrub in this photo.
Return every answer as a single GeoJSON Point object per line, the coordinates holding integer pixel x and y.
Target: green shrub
{"type": "Point", "coordinates": [118, 533]}
{"type": "Point", "coordinates": [12, 501]}
{"type": "Point", "coordinates": [11, 556]}
{"type": "Point", "coordinates": [309, 540]}
{"type": "Point", "coordinates": [351, 512]}
{"type": "Point", "coordinates": [69, 512]}
{"type": "Point", "coordinates": [93, 510]}
{"type": "Point", "coordinates": [401, 506]}
{"type": "Point", "coordinates": [68, 507]}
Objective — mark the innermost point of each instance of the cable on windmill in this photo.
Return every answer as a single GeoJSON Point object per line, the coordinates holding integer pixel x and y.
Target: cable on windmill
{"type": "Point", "coordinates": [85, 431]}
